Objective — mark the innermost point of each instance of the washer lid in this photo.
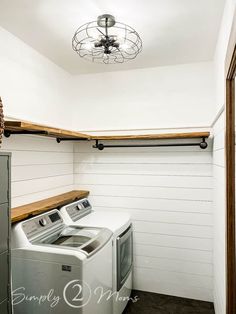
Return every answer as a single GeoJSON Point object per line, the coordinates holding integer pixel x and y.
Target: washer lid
{"type": "Point", "coordinates": [86, 239]}
{"type": "Point", "coordinates": [81, 213]}
{"type": "Point", "coordinates": [75, 237]}
{"type": "Point", "coordinates": [115, 221]}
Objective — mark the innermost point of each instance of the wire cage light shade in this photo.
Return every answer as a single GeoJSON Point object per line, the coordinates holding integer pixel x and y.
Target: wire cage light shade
{"type": "Point", "coordinates": [106, 41]}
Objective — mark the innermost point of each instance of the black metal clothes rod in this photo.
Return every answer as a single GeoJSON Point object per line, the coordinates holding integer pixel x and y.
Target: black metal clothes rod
{"type": "Point", "coordinates": [203, 145]}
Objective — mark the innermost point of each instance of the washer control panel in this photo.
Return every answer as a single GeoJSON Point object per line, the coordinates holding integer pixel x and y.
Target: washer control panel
{"type": "Point", "coordinates": [37, 225]}
{"type": "Point", "coordinates": [79, 209]}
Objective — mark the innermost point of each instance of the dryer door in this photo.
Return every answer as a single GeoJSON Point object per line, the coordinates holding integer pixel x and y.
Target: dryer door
{"type": "Point", "coordinates": [124, 256]}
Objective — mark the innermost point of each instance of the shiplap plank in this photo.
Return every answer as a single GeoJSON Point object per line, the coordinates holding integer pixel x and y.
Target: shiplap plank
{"type": "Point", "coordinates": [171, 283]}
{"type": "Point", "coordinates": [148, 192]}
{"type": "Point", "coordinates": [143, 158]}
{"type": "Point", "coordinates": [39, 195]}
{"type": "Point", "coordinates": [171, 217]}
{"type": "Point", "coordinates": [193, 280]}
{"type": "Point", "coordinates": [21, 158]}
{"type": "Point", "coordinates": [175, 254]}
{"type": "Point", "coordinates": [145, 180]}
{"type": "Point", "coordinates": [171, 169]}
{"type": "Point", "coordinates": [29, 172]}
{"type": "Point", "coordinates": [173, 241]}
{"type": "Point", "coordinates": [185, 267]}
{"type": "Point", "coordinates": [174, 229]}
{"type": "Point", "coordinates": [113, 202]}
{"type": "Point", "coordinates": [37, 185]}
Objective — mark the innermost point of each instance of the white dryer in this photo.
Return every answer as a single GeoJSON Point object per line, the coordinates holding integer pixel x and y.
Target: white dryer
{"type": "Point", "coordinates": [80, 213]}
{"type": "Point", "coordinates": [60, 269]}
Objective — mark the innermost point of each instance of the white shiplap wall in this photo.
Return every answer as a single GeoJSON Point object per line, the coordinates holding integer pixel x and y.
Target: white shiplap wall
{"type": "Point", "coordinates": [40, 167]}
{"type": "Point", "coordinates": [168, 192]}
{"type": "Point", "coordinates": [219, 209]}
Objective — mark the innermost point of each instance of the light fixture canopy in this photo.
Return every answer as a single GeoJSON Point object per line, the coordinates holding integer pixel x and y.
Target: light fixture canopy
{"type": "Point", "coordinates": [106, 41]}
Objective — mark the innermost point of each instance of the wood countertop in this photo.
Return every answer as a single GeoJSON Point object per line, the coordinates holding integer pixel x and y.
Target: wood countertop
{"type": "Point", "coordinates": [25, 211]}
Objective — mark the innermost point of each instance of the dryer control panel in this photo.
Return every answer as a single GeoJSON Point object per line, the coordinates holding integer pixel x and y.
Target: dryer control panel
{"type": "Point", "coordinates": [79, 209]}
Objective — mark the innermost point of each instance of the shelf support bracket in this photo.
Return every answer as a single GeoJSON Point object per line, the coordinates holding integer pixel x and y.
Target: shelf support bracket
{"type": "Point", "coordinates": [59, 140]}
{"type": "Point", "coordinates": [8, 133]}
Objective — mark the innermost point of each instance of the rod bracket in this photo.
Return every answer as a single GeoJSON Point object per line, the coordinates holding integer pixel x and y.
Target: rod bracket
{"type": "Point", "coordinates": [203, 144]}
{"type": "Point", "coordinates": [98, 145]}
{"type": "Point", "coordinates": [7, 133]}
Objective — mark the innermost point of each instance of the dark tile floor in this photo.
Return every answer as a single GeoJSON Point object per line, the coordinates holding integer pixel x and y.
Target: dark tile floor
{"type": "Point", "coordinates": [153, 303]}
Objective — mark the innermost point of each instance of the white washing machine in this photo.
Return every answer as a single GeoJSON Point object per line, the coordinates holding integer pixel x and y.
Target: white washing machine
{"type": "Point", "coordinates": [60, 269]}
{"type": "Point", "coordinates": [80, 213]}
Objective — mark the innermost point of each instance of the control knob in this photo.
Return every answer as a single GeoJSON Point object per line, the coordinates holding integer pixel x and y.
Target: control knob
{"type": "Point", "coordinates": [79, 206]}
{"type": "Point", "coordinates": [43, 222]}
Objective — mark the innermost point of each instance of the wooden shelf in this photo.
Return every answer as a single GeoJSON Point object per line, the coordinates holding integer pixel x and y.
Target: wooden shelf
{"type": "Point", "coordinates": [21, 127]}
{"type": "Point", "coordinates": [153, 136]}
{"type": "Point", "coordinates": [36, 208]}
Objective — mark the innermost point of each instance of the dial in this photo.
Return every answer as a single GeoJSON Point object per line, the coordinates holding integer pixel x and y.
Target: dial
{"type": "Point", "coordinates": [79, 206]}
{"type": "Point", "coordinates": [42, 222]}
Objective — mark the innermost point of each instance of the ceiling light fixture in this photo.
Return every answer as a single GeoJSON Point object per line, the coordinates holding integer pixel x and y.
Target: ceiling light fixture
{"type": "Point", "coordinates": [106, 41]}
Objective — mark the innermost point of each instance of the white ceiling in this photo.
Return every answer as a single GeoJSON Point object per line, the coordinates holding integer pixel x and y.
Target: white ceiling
{"type": "Point", "coordinates": [173, 31]}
